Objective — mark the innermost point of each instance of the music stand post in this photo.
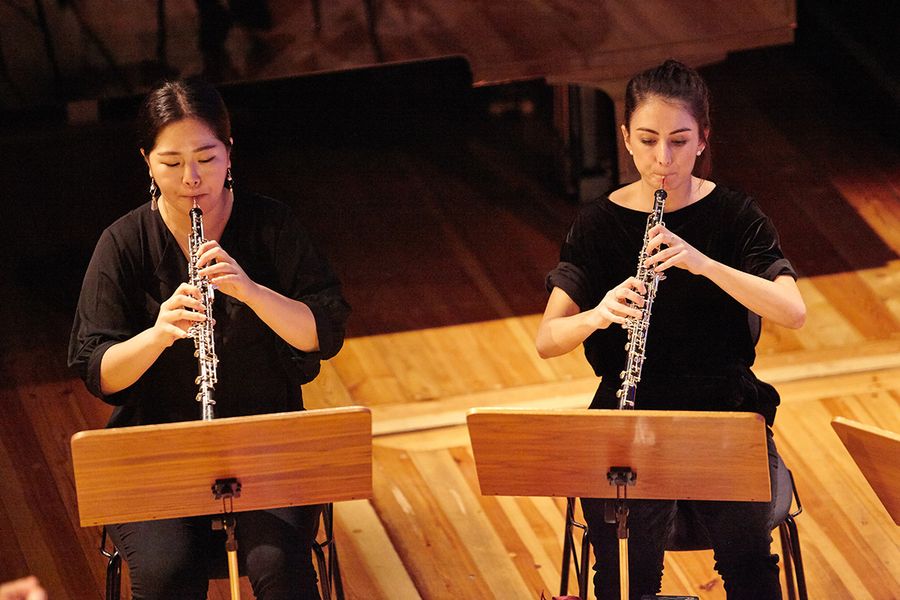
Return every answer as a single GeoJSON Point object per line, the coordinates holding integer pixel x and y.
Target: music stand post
{"type": "Point", "coordinates": [187, 469]}
{"type": "Point", "coordinates": [662, 455]}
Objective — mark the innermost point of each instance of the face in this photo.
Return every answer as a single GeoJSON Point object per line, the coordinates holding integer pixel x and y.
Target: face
{"type": "Point", "coordinates": [189, 163]}
{"type": "Point", "coordinates": [664, 139]}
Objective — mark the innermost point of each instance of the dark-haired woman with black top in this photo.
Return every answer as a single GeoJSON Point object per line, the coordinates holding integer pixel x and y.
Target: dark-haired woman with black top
{"type": "Point", "coordinates": [278, 312]}
{"type": "Point", "coordinates": [724, 272]}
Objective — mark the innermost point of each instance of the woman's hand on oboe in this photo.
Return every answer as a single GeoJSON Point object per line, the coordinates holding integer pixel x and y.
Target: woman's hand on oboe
{"type": "Point", "coordinates": [124, 363]}
{"type": "Point", "coordinates": [621, 303]}
{"type": "Point", "coordinates": [224, 272]}
{"type": "Point", "coordinates": [178, 313]}
{"type": "Point", "coordinates": [291, 319]}
{"type": "Point", "coordinates": [672, 251]}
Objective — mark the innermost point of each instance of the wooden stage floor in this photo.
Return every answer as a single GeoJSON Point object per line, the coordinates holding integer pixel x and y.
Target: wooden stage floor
{"type": "Point", "coordinates": [443, 244]}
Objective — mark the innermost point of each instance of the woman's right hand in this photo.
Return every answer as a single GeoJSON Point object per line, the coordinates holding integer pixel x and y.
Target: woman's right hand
{"type": "Point", "coordinates": [125, 362]}
{"type": "Point", "coordinates": [621, 303]}
{"type": "Point", "coordinates": [564, 326]}
{"type": "Point", "coordinates": [178, 313]}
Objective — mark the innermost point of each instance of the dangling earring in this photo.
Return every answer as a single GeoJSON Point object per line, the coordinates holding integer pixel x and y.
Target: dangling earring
{"type": "Point", "coordinates": [154, 193]}
{"type": "Point", "coordinates": [229, 180]}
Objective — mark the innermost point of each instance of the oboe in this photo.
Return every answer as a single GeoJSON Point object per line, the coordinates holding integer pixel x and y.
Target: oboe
{"type": "Point", "coordinates": [637, 328]}
{"type": "Point", "coordinates": [202, 332]}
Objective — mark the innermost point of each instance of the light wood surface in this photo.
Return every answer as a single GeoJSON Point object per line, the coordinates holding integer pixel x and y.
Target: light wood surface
{"type": "Point", "coordinates": [876, 452]}
{"type": "Point", "coordinates": [165, 471]}
{"type": "Point", "coordinates": [675, 455]}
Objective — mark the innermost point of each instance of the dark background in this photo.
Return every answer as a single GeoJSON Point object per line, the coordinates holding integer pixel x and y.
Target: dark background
{"type": "Point", "coordinates": [388, 165]}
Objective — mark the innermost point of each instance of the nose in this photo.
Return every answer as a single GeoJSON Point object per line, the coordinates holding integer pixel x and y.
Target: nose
{"type": "Point", "coordinates": [664, 154]}
{"type": "Point", "coordinates": [191, 176]}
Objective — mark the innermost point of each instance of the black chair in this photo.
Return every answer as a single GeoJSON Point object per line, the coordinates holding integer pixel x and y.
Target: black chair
{"type": "Point", "coordinates": [686, 536]}
{"type": "Point", "coordinates": [325, 551]}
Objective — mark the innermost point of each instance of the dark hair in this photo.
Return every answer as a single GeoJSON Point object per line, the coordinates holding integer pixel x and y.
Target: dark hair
{"type": "Point", "coordinates": [181, 99]}
{"type": "Point", "coordinates": [673, 80]}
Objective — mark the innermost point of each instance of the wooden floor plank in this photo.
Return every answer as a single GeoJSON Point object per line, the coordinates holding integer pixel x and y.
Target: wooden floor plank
{"type": "Point", "coordinates": [462, 509]}
{"type": "Point", "coordinates": [363, 544]}
{"type": "Point", "coordinates": [421, 532]}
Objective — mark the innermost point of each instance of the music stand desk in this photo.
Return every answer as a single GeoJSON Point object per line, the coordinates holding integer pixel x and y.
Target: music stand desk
{"type": "Point", "coordinates": [877, 454]}
{"type": "Point", "coordinates": [153, 472]}
{"type": "Point", "coordinates": [683, 455]}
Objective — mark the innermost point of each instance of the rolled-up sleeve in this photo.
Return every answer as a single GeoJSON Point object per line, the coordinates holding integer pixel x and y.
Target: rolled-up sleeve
{"type": "Point", "coordinates": [307, 277]}
{"type": "Point", "coordinates": [577, 259]}
{"type": "Point", "coordinates": [758, 246]}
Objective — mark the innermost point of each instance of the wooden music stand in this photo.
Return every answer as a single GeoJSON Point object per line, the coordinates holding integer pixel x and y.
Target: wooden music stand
{"type": "Point", "coordinates": [620, 454]}
{"type": "Point", "coordinates": [187, 469]}
{"type": "Point", "coordinates": [875, 452]}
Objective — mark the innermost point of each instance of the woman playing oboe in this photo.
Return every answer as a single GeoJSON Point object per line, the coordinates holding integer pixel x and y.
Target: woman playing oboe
{"type": "Point", "coordinates": [724, 270]}
{"type": "Point", "coordinates": [277, 312]}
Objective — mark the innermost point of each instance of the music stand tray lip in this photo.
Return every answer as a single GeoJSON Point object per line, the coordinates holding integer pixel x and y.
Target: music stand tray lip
{"type": "Point", "coordinates": [245, 419]}
{"type": "Point", "coordinates": [865, 427]}
{"type": "Point", "coordinates": [685, 455]}
{"type": "Point", "coordinates": [150, 472]}
{"type": "Point", "coordinates": [631, 413]}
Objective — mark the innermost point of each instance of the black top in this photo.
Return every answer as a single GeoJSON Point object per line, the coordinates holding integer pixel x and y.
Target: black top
{"type": "Point", "coordinates": [138, 264]}
{"type": "Point", "coordinates": [700, 343]}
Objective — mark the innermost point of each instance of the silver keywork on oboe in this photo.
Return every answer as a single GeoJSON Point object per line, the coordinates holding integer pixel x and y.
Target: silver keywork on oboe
{"type": "Point", "coordinates": [202, 331]}
{"type": "Point", "coordinates": [637, 328]}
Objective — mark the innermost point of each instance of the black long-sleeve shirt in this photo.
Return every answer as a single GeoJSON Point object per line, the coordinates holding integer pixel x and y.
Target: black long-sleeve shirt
{"type": "Point", "coordinates": [700, 343]}
{"type": "Point", "coordinates": [138, 264]}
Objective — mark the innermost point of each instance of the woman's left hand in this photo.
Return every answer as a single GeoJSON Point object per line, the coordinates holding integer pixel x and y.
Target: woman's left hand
{"type": "Point", "coordinates": [673, 252]}
{"type": "Point", "coordinates": [226, 274]}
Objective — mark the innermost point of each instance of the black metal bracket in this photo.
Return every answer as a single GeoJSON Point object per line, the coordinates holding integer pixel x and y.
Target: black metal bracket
{"type": "Point", "coordinates": [226, 488]}
{"type": "Point", "coordinates": [621, 476]}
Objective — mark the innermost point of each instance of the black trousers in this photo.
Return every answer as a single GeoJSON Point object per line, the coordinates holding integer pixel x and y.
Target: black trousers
{"type": "Point", "coordinates": [740, 533]}
{"type": "Point", "coordinates": [175, 558]}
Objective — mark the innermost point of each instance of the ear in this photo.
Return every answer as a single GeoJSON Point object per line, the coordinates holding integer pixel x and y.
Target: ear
{"type": "Point", "coordinates": [230, 147]}
{"type": "Point", "coordinates": [705, 141]}
{"type": "Point", "coordinates": [625, 139]}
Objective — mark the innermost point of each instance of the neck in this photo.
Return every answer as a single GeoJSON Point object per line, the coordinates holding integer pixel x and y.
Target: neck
{"type": "Point", "coordinates": [678, 196]}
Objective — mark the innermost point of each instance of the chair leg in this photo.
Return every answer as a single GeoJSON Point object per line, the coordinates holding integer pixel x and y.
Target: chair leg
{"type": "Point", "coordinates": [787, 562]}
{"type": "Point", "coordinates": [329, 567]}
{"type": "Point", "coordinates": [336, 574]}
{"type": "Point", "coordinates": [798, 558]}
{"type": "Point", "coordinates": [113, 568]}
{"type": "Point", "coordinates": [585, 563]}
{"type": "Point", "coordinates": [324, 579]}
{"type": "Point", "coordinates": [568, 543]}
{"type": "Point", "coordinates": [570, 554]}
{"type": "Point", "coordinates": [114, 577]}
